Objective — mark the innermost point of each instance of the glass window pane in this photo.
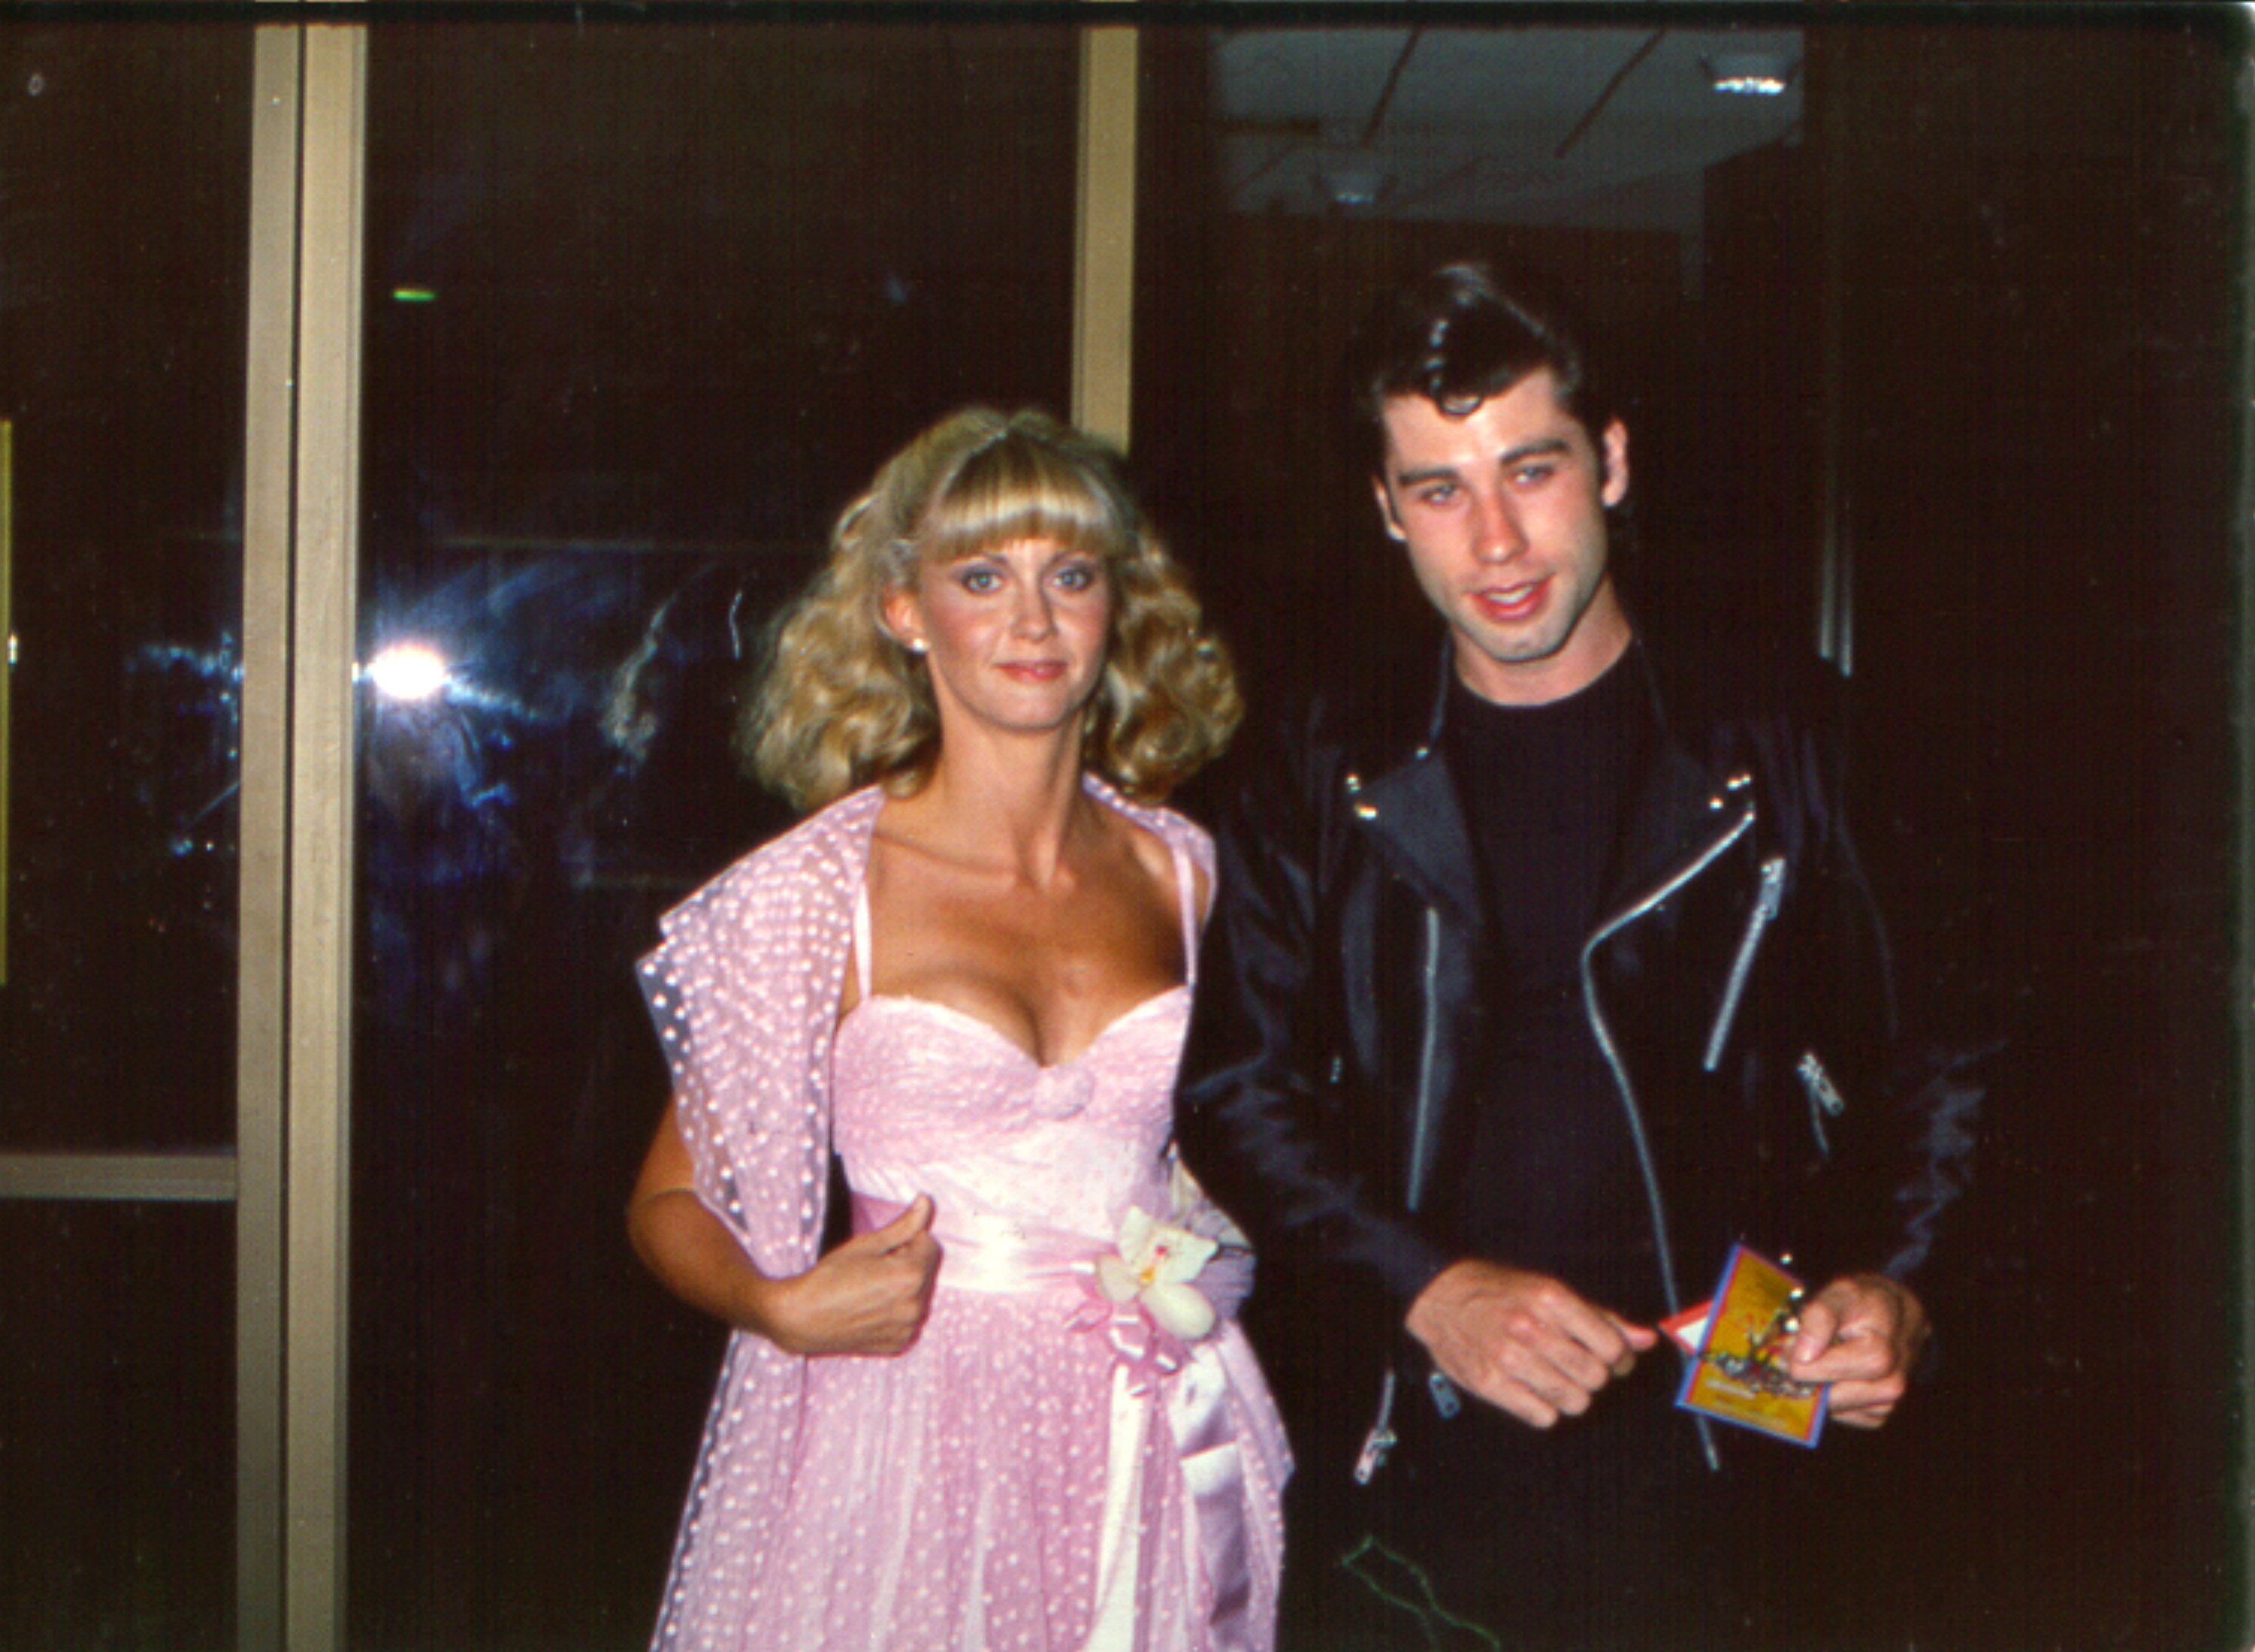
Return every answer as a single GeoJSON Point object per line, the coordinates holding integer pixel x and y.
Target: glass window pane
{"type": "Point", "coordinates": [121, 331]}
{"type": "Point", "coordinates": [622, 371]}
{"type": "Point", "coordinates": [117, 1425]}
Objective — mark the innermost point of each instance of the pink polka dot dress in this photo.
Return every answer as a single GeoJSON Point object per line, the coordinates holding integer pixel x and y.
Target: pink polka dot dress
{"type": "Point", "coordinates": [1048, 1468]}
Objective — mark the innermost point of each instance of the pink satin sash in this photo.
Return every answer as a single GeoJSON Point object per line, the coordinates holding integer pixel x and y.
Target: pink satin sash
{"type": "Point", "coordinates": [995, 1255]}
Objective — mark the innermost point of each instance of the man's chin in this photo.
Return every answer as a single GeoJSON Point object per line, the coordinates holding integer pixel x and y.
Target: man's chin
{"type": "Point", "coordinates": [1517, 647]}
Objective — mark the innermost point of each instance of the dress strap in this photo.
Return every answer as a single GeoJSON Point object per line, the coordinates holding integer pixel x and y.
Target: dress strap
{"type": "Point", "coordinates": [1186, 891]}
{"type": "Point", "coordinates": [864, 969]}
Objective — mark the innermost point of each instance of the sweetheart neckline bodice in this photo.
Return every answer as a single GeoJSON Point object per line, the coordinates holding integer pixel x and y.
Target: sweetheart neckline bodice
{"type": "Point", "coordinates": [948, 1012]}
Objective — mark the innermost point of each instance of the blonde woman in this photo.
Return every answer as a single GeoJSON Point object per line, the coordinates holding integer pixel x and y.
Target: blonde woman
{"type": "Point", "coordinates": [1013, 1409]}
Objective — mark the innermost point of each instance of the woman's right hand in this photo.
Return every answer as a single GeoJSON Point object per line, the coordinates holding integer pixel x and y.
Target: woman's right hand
{"type": "Point", "coordinates": [869, 1296]}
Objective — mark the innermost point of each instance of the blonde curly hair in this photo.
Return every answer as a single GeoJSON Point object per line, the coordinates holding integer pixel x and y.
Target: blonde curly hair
{"type": "Point", "coordinates": [842, 704]}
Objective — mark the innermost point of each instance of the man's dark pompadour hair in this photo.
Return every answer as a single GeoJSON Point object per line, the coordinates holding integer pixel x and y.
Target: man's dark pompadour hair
{"type": "Point", "coordinates": [1459, 336]}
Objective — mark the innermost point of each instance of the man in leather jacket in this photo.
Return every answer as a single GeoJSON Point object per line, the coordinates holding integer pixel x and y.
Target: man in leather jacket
{"type": "Point", "coordinates": [1542, 973]}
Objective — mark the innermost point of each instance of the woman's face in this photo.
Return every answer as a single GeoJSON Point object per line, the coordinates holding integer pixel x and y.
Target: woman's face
{"type": "Point", "coordinates": [1015, 635]}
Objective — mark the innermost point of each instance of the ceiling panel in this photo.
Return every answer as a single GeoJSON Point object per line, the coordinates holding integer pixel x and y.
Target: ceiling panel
{"type": "Point", "coordinates": [1608, 126]}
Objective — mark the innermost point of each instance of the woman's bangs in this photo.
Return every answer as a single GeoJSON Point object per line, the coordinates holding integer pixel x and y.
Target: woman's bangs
{"type": "Point", "coordinates": [1020, 490]}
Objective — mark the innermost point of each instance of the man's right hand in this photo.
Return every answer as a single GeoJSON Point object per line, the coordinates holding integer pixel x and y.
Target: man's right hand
{"type": "Point", "coordinates": [1522, 1341]}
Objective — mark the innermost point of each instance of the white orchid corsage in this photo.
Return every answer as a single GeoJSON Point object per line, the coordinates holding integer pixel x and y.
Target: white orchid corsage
{"type": "Point", "coordinates": [1169, 1282]}
{"type": "Point", "coordinates": [1154, 1267]}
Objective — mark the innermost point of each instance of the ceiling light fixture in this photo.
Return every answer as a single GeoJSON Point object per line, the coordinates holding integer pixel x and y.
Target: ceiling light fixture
{"type": "Point", "coordinates": [1749, 74]}
{"type": "Point", "coordinates": [1354, 188]}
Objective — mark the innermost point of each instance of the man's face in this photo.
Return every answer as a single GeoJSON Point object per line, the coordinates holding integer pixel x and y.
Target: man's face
{"type": "Point", "coordinates": [1502, 511]}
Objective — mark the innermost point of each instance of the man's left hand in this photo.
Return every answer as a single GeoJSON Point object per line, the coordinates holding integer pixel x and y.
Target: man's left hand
{"type": "Point", "coordinates": [1861, 1334]}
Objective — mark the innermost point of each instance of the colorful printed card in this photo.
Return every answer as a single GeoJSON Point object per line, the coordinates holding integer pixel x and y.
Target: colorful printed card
{"type": "Point", "coordinates": [1738, 1374]}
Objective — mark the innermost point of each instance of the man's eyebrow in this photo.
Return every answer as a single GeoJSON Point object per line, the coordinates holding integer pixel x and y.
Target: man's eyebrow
{"type": "Point", "coordinates": [1541, 447]}
{"type": "Point", "coordinates": [1430, 473]}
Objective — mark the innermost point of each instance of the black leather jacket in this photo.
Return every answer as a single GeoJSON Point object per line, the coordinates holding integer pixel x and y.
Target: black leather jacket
{"type": "Point", "coordinates": [1738, 988]}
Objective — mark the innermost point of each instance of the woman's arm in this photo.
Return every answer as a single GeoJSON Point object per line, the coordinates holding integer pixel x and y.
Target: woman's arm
{"type": "Point", "coordinates": [868, 1297]}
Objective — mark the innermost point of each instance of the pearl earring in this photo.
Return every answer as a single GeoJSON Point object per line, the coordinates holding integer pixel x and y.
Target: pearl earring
{"type": "Point", "coordinates": [917, 645]}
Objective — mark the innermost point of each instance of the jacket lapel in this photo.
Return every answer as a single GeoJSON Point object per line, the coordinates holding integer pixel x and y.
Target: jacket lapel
{"type": "Point", "coordinates": [1403, 798]}
{"type": "Point", "coordinates": [1675, 816]}
{"type": "Point", "coordinates": [1414, 817]}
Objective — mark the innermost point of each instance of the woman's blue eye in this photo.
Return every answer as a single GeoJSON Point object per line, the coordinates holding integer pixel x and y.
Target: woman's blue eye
{"type": "Point", "coordinates": [1078, 576]}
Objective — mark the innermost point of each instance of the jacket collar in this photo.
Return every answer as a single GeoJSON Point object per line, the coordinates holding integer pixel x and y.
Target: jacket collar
{"type": "Point", "coordinates": [1677, 813]}
{"type": "Point", "coordinates": [1403, 794]}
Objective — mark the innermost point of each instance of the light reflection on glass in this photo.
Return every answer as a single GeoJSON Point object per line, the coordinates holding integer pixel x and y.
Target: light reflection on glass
{"type": "Point", "coordinates": [407, 671]}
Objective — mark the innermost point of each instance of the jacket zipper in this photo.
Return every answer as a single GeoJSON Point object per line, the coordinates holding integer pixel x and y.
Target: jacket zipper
{"type": "Point", "coordinates": [1421, 1127]}
{"type": "Point", "coordinates": [1767, 902]}
{"type": "Point", "coordinates": [1824, 1097]}
{"type": "Point", "coordinates": [1612, 1053]}
{"type": "Point", "coordinates": [1380, 1440]}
